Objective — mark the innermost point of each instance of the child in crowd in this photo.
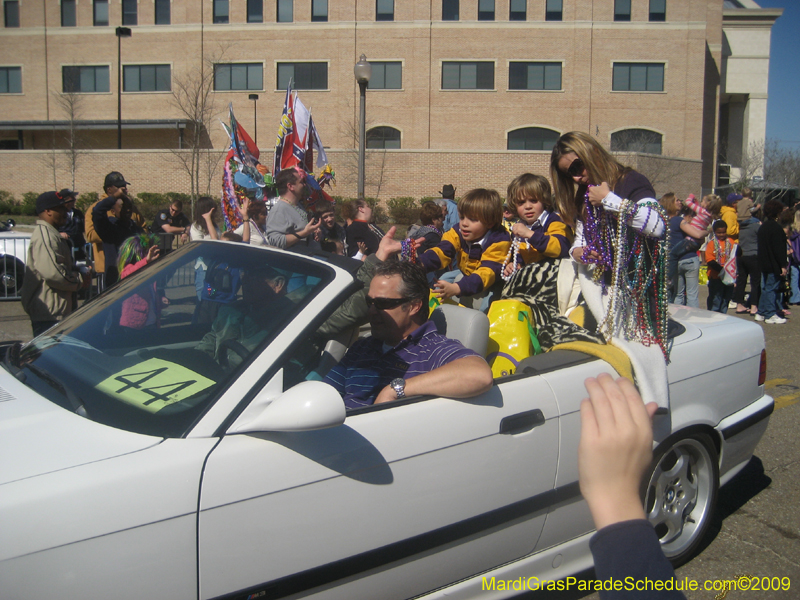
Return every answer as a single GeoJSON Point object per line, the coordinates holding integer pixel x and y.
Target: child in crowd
{"type": "Point", "coordinates": [540, 238]}
{"type": "Point", "coordinates": [539, 233]}
{"type": "Point", "coordinates": [728, 214]}
{"type": "Point", "coordinates": [477, 244]}
{"type": "Point", "coordinates": [718, 253]}
{"type": "Point", "coordinates": [140, 311]}
{"type": "Point", "coordinates": [363, 237]}
{"type": "Point", "coordinates": [509, 218]}
{"type": "Point", "coordinates": [332, 236]}
{"type": "Point", "coordinates": [431, 216]}
{"type": "Point", "coordinates": [706, 211]}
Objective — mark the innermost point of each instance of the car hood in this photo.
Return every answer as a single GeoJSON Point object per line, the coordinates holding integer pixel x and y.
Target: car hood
{"type": "Point", "coordinates": [37, 436]}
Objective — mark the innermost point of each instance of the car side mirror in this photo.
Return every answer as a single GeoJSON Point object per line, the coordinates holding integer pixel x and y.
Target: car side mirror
{"type": "Point", "coordinates": [306, 406]}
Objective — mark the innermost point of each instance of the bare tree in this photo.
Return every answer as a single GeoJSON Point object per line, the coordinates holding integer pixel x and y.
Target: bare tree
{"type": "Point", "coordinates": [50, 160]}
{"type": "Point", "coordinates": [192, 96]}
{"type": "Point", "coordinates": [374, 161]}
{"type": "Point", "coordinates": [71, 105]}
{"type": "Point", "coordinates": [781, 165]}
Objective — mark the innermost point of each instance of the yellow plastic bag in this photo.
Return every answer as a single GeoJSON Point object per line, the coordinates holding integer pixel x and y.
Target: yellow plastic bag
{"type": "Point", "coordinates": [512, 337]}
{"type": "Point", "coordinates": [702, 277]}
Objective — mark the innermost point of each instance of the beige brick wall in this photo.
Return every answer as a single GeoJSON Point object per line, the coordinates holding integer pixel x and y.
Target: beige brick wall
{"type": "Point", "coordinates": [587, 42]}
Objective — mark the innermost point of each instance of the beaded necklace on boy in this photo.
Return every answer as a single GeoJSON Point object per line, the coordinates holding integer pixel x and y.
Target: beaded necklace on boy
{"type": "Point", "coordinates": [513, 253]}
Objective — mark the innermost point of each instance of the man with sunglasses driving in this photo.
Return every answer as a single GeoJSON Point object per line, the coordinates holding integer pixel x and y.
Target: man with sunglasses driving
{"type": "Point", "coordinates": [405, 355]}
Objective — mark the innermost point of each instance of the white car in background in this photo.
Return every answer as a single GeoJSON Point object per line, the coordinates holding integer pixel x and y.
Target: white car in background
{"type": "Point", "coordinates": [133, 465]}
{"type": "Point", "coordinates": [13, 254]}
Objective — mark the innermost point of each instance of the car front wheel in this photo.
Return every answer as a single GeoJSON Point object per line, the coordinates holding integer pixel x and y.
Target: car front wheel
{"type": "Point", "coordinates": [681, 493]}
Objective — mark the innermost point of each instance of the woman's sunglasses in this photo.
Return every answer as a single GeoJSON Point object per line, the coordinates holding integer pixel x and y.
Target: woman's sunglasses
{"type": "Point", "coordinates": [576, 168]}
{"type": "Point", "coordinates": [385, 303]}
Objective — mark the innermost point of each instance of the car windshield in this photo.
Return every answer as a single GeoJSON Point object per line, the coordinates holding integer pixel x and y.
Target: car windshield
{"type": "Point", "coordinates": [151, 354]}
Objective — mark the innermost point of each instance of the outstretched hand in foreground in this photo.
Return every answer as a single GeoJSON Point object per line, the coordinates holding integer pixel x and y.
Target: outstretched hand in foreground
{"type": "Point", "coordinates": [616, 447]}
{"type": "Point", "coordinates": [389, 246]}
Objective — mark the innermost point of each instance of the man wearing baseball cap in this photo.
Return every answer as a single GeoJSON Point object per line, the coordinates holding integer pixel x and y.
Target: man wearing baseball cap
{"type": "Point", "coordinates": [114, 219]}
{"type": "Point", "coordinates": [72, 229]}
{"type": "Point", "coordinates": [50, 280]}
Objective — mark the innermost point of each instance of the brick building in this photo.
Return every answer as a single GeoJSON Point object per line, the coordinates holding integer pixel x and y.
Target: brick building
{"type": "Point", "coordinates": [470, 92]}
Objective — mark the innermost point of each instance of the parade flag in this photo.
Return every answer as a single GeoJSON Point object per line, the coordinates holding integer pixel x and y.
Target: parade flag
{"type": "Point", "coordinates": [284, 142]}
{"type": "Point", "coordinates": [316, 143]}
{"type": "Point", "coordinates": [301, 118]}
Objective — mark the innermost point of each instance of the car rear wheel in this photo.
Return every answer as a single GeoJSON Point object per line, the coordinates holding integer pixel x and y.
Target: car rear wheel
{"type": "Point", "coordinates": [681, 493]}
{"type": "Point", "coordinates": [12, 273]}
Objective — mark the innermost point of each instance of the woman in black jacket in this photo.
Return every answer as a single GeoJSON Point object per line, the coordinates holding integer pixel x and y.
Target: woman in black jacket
{"type": "Point", "coordinates": [773, 260]}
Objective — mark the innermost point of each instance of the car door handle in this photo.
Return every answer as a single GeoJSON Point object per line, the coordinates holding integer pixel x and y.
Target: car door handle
{"type": "Point", "coordinates": [522, 422]}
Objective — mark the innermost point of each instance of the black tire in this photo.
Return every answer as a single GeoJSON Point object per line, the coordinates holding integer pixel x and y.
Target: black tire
{"type": "Point", "coordinates": [680, 493]}
{"type": "Point", "coordinates": [12, 272]}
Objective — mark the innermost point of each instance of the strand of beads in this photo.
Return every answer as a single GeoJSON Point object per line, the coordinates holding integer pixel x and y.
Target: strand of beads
{"type": "Point", "coordinates": [513, 253]}
{"type": "Point", "coordinates": [376, 231]}
{"type": "Point", "coordinates": [637, 309]}
{"type": "Point", "coordinates": [408, 251]}
{"type": "Point", "coordinates": [597, 231]}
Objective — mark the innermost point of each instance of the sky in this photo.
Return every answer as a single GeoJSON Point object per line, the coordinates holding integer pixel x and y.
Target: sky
{"type": "Point", "coordinates": [783, 106]}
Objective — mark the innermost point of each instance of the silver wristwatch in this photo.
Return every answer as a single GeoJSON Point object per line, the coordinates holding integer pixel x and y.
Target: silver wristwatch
{"type": "Point", "coordinates": [399, 387]}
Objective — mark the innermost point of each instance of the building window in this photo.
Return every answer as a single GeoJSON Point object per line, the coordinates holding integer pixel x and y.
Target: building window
{"type": "Point", "coordinates": [255, 11]}
{"type": "Point", "coordinates": [638, 77]}
{"type": "Point", "coordinates": [221, 11]}
{"type": "Point", "coordinates": [130, 12]}
{"type": "Point", "coordinates": [163, 16]}
{"type": "Point", "coordinates": [100, 13]}
{"type": "Point", "coordinates": [319, 11]}
{"type": "Point", "coordinates": [532, 138]}
{"type": "Point", "coordinates": [554, 10]}
{"type": "Point", "coordinates": [450, 10]}
{"type": "Point", "coordinates": [485, 10]}
{"type": "Point", "coordinates": [285, 11]}
{"type": "Point", "coordinates": [11, 13]}
{"type": "Point", "coordinates": [386, 75]}
{"type": "Point", "coordinates": [622, 10]}
{"type": "Point", "coordinates": [306, 75]}
{"type": "Point", "coordinates": [468, 76]}
{"type": "Point", "coordinates": [636, 140]}
{"type": "Point", "coordinates": [84, 80]}
{"type": "Point", "coordinates": [384, 10]}
{"type": "Point", "coordinates": [518, 10]}
{"type": "Point", "coordinates": [238, 76]}
{"type": "Point", "coordinates": [10, 80]}
{"type": "Point", "coordinates": [146, 78]}
{"type": "Point", "coordinates": [534, 76]}
{"type": "Point", "coordinates": [68, 13]}
{"type": "Point", "coordinates": [658, 10]}
{"type": "Point", "coordinates": [383, 138]}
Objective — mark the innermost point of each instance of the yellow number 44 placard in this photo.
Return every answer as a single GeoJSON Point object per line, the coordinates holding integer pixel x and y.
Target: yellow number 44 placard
{"type": "Point", "coordinates": [154, 384]}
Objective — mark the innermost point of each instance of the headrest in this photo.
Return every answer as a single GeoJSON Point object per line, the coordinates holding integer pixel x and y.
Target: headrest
{"type": "Point", "coordinates": [468, 326]}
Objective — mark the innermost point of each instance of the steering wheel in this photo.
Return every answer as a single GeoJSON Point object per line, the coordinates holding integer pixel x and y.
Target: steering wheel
{"type": "Point", "coordinates": [237, 347]}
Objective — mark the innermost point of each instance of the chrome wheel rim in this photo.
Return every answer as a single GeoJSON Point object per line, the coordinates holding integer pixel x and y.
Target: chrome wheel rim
{"type": "Point", "coordinates": [680, 495]}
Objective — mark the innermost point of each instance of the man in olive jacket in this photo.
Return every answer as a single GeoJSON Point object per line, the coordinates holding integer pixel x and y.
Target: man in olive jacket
{"type": "Point", "coordinates": [50, 280]}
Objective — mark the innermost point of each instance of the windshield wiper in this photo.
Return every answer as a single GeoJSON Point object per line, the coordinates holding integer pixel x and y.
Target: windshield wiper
{"type": "Point", "coordinates": [76, 403]}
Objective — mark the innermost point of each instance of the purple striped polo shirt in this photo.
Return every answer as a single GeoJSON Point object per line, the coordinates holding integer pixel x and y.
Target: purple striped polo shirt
{"type": "Point", "coordinates": [365, 370]}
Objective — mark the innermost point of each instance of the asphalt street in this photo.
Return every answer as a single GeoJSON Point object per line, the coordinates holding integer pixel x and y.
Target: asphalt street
{"type": "Point", "coordinates": [756, 531]}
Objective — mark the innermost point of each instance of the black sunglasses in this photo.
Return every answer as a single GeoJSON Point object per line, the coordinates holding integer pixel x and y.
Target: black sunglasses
{"type": "Point", "coordinates": [385, 303]}
{"type": "Point", "coordinates": [576, 168]}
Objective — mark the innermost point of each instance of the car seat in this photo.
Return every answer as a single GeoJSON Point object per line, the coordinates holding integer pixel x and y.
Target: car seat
{"type": "Point", "coordinates": [468, 326]}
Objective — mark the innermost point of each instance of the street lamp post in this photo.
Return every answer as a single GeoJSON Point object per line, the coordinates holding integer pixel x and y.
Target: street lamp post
{"type": "Point", "coordinates": [254, 98]}
{"type": "Point", "coordinates": [121, 33]}
{"type": "Point", "coordinates": [363, 71]}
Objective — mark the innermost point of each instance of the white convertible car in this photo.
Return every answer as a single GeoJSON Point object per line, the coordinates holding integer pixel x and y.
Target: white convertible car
{"type": "Point", "coordinates": [135, 465]}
